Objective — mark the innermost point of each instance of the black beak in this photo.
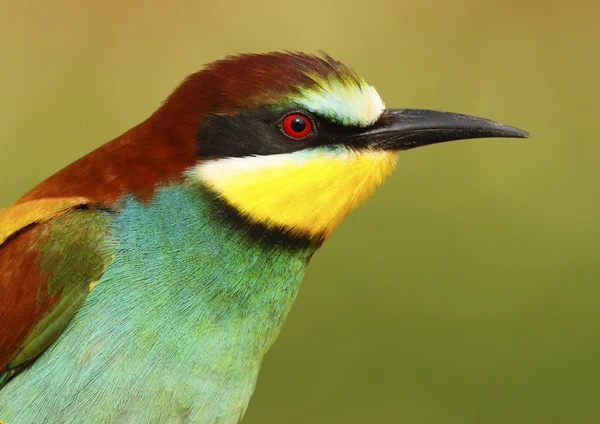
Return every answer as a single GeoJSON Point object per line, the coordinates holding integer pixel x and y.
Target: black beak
{"type": "Point", "coordinates": [402, 129]}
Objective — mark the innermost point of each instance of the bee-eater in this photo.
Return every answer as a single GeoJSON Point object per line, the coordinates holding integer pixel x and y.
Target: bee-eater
{"type": "Point", "coordinates": [145, 282]}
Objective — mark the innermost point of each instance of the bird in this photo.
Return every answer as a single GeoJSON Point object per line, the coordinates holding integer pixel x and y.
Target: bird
{"type": "Point", "coordinates": [146, 281]}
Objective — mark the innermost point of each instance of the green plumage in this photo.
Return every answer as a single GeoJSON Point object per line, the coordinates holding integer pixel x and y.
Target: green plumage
{"type": "Point", "coordinates": [177, 326]}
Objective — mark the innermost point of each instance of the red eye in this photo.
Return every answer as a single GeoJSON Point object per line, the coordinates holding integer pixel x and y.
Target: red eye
{"type": "Point", "coordinates": [296, 125]}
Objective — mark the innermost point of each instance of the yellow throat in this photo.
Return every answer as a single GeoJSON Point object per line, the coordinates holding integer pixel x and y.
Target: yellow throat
{"type": "Point", "coordinates": [306, 192]}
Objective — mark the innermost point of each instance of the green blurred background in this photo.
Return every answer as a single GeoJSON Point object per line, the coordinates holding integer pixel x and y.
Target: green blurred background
{"type": "Point", "coordinates": [468, 289]}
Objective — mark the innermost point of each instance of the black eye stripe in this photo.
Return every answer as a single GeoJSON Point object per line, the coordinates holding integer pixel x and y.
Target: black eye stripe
{"type": "Point", "coordinates": [261, 132]}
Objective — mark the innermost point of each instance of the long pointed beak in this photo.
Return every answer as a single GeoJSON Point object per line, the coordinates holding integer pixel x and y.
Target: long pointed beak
{"type": "Point", "coordinates": [402, 129]}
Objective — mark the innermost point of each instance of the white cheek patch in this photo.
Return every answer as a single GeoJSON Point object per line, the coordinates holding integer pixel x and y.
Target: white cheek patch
{"type": "Point", "coordinates": [236, 167]}
{"type": "Point", "coordinates": [342, 100]}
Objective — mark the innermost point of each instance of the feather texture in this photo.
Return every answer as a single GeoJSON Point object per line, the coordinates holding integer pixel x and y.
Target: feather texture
{"type": "Point", "coordinates": [175, 329]}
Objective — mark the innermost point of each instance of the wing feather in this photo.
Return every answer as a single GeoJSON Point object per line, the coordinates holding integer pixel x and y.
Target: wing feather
{"type": "Point", "coordinates": [51, 255]}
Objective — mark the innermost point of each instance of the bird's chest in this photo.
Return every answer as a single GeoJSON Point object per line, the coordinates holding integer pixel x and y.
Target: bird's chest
{"type": "Point", "coordinates": [178, 270]}
{"type": "Point", "coordinates": [176, 328]}
{"type": "Point", "coordinates": [195, 304]}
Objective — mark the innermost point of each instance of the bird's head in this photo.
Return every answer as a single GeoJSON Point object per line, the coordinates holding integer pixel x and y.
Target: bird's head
{"type": "Point", "coordinates": [295, 141]}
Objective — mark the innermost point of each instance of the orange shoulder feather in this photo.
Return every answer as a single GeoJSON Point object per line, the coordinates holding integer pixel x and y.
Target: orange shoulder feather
{"type": "Point", "coordinates": [20, 215]}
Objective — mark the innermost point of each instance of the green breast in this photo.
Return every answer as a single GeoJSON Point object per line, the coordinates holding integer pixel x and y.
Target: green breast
{"type": "Point", "coordinates": [176, 328]}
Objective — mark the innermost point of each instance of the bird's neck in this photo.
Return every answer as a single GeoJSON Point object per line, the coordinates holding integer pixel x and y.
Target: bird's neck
{"type": "Point", "coordinates": [190, 227]}
{"type": "Point", "coordinates": [194, 258]}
